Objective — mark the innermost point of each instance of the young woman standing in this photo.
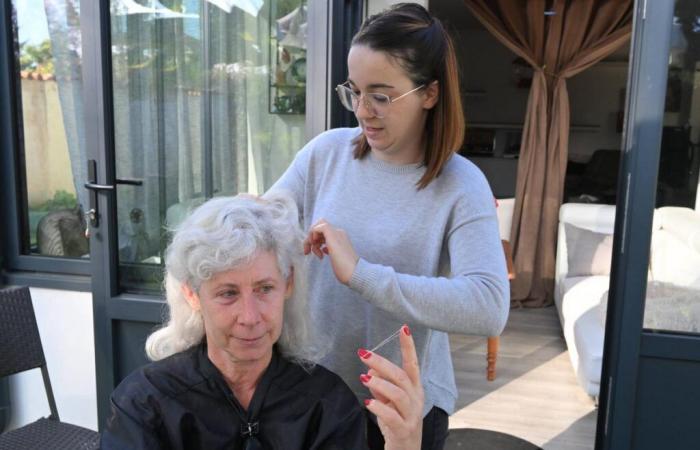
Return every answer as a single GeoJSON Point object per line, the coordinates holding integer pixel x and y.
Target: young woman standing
{"type": "Point", "coordinates": [409, 226]}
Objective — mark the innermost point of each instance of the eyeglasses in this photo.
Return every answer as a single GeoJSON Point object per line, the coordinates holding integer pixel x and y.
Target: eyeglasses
{"type": "Point", "coordinates": [376, 103]}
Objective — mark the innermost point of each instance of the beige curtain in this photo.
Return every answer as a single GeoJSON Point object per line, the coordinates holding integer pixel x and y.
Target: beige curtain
{"type": "Point", "coordinates": [574, 35]}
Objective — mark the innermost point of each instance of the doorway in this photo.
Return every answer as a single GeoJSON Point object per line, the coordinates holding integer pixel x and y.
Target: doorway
{"type": "Point", "coordinates": [550, 364]}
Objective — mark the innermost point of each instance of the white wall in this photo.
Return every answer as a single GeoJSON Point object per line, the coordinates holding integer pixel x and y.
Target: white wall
{"type": "Point", "coordinates": [66, 328]}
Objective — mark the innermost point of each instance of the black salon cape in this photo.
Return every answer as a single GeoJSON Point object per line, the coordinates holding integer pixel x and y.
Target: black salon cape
{"type": "Point", "coordinates": [183, 402]}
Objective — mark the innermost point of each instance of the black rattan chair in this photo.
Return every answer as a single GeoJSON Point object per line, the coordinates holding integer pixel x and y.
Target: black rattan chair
{"type": "Point", "coordinates": [20, 350]}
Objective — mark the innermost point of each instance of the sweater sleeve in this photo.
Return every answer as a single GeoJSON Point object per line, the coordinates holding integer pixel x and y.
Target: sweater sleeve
{"type": "Point", "coordinates": [473, 300]}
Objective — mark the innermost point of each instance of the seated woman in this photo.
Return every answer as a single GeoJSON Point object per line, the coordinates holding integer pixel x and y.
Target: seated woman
{"type": "Point", "coordinates": [234, 365]}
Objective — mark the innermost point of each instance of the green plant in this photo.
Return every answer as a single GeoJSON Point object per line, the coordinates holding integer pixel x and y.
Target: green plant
{"type": "Point", "coordinates": [36, 58]}
{"type": "Point", "coordinates": [61, 200]}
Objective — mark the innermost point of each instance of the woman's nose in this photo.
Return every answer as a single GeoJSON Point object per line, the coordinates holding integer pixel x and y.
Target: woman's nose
{"type": "Point", "coordinates": [250, 310]}
{"type": "Point", "coordinates": [364, 109]}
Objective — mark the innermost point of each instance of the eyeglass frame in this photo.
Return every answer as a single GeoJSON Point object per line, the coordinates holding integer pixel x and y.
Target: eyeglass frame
{"type": "Point", "coordinates": [368, 103]}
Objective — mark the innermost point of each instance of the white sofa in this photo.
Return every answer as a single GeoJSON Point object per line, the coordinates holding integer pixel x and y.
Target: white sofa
{"type": "Point", "coordinates": [581, 298]}
{"type": "Point", "coordinates": [504, 211]}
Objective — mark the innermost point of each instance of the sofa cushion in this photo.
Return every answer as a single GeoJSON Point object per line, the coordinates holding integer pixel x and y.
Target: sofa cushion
{"type": "Point", "coordinates": [589, 336]}
{"type": "Point", "coordinates": [600, 218]}
{"type": "Point", "coordinates": [588, 252]}
{"type": "Point", "coordinates": [674, 260]}
{"type": "Point", "coordinates": [684, 223]}
{"type": "Point", "coordinates": [581, 295]}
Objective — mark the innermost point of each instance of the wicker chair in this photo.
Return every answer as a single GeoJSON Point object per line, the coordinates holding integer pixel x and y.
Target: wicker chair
{"type": "Point", "coordinates": [20, 350]}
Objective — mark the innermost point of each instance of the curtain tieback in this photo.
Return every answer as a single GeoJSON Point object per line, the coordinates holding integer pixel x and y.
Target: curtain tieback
{"type": "Point", "coordinates": [544, 70]}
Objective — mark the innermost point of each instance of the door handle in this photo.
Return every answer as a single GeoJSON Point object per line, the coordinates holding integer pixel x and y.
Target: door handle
{"type": "Point", "coordinates": [99, 187]}
{"type": "Point", "coordinates": [109, 187]}
{"type": "Point", "coordinates": [94, 188]}
{"type": "Point", "coordinates": [129, 181]}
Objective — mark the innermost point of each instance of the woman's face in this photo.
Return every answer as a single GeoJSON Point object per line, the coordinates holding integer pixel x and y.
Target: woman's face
{"type": "Point", "coordinates": [243, 310]}
{"type": "Point", "coordinates": [397, 137]}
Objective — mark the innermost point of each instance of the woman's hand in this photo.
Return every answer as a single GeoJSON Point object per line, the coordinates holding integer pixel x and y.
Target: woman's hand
{"type": "Point", "coordinates": [324, 238]}
{"type": "Point", "coordinates": [398, 395]}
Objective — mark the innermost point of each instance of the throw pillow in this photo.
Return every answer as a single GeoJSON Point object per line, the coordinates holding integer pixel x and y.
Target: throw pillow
{"type": "Point", "coordinates": [588, 252]}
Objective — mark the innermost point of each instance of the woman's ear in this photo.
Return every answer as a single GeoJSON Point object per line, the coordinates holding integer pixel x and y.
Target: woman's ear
{"type": "Point", "coordinates": [290, 285]}
{"type": "Point", "coordinates": [432, 93]}
{"type": "Point", "coordinates": [191, 296]}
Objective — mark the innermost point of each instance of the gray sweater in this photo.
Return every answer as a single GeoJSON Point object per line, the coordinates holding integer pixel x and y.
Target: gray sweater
{"type": "Point", "coordinates": [431, 258]}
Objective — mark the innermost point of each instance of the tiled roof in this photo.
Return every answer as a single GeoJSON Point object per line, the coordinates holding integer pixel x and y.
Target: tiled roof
{"type": "Point", "coordinates": [27, 75]}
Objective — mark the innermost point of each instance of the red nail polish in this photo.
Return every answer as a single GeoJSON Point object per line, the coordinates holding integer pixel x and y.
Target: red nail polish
{"type": "Point", "coordinates": [365, 378]}
{"type": "Point", "coordinates": [364, 354]}
{"type": "Point", "coordinates": [367, 401]}
{"type": "Point", "coordinates": [406, 330]}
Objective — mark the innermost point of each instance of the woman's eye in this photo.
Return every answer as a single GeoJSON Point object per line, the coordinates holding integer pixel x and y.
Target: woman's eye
{"type": "Point", "coordinates": [379, 98]}
{"type": "Point", "coordinates": [227, 297]}
{"type": "Point", "coordinates": [266, 289]}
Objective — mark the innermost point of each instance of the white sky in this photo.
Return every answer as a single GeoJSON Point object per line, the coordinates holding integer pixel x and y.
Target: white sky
{"type": "Point", "coordinates": [31, 19]}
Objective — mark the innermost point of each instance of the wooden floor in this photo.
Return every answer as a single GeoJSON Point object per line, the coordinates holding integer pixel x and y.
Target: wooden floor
{"type": "Point", "coordinates": [535, 395]}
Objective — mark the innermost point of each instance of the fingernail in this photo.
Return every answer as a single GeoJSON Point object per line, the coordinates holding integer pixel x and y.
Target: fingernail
{"type": "Point", "coordinates": [367, 401]}
{"type": "Point", "coordinates": [406, 330]}
{"type": "Point", "coordinates": [364, 354]}
{"type": "Point", "coordinates": [365, 378]}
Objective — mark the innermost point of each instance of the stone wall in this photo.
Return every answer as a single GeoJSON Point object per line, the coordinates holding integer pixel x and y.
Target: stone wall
{"type": "Point", "coordinates": [46, 155]}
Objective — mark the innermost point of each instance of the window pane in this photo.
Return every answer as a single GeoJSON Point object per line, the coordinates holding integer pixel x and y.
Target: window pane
{"type": "Point", "coordinates": [673, 289]}
{"type": "Point", "coordinates": [49, 59]}
{"type": "Point", "coordinates": [209, 100]}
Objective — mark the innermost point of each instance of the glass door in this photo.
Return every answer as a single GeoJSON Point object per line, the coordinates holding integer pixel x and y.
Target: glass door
{"type": "Point", "coordinates": [209, 100]}
{"type": "Point", "coordinates": [186, 100]}
{"type": "Point", "coordinates": [50, 157]}
{"type": "Point", "coordinates": [649, 389]}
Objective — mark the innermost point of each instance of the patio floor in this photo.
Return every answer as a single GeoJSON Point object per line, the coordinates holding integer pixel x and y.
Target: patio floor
{"type": "Point", "coordinates": [535, 395]}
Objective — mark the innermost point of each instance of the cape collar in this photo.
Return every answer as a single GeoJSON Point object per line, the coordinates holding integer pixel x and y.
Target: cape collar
{"type": "Point", "coordinates": [250, 424]}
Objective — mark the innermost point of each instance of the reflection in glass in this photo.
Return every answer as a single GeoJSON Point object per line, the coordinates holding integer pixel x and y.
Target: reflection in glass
{"type": "Point", "coordinates": [193, 89]}
{"type": "Point", "coordinates": [49, 59]}
{"type": "Point", "coordinates": [673, 289]}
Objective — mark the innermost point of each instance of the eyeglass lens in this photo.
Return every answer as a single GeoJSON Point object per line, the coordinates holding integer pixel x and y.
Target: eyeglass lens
{"type": "Point", "coordinates": [374, 102]}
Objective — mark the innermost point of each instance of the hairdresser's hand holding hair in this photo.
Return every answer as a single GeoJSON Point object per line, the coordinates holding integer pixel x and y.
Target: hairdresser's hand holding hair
{"type": "Point", "coordinates": [398, 395]}
{"type": "Point", "coordinates": [324, 238]}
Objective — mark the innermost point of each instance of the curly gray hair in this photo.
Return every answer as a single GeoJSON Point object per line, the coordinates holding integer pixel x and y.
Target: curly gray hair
{"type": "Point", "coordinates": [219, 235]}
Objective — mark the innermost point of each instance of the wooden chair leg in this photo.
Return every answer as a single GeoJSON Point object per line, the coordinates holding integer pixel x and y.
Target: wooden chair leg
{"type": "Point", "coordinates": [491, 354]}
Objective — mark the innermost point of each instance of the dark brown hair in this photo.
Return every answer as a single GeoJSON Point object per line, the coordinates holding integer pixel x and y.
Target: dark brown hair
{"type": "Point", "coordinates": [422, 47]}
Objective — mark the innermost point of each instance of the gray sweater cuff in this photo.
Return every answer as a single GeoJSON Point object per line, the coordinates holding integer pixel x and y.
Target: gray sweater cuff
{"type": "Point", "coordinates": [364, 278]}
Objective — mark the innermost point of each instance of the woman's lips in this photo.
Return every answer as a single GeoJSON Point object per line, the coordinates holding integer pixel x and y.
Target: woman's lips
{"type": "Point", "coordinates": [249, 340]}
{"type": "Point", "coordinates": [372, 132]}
